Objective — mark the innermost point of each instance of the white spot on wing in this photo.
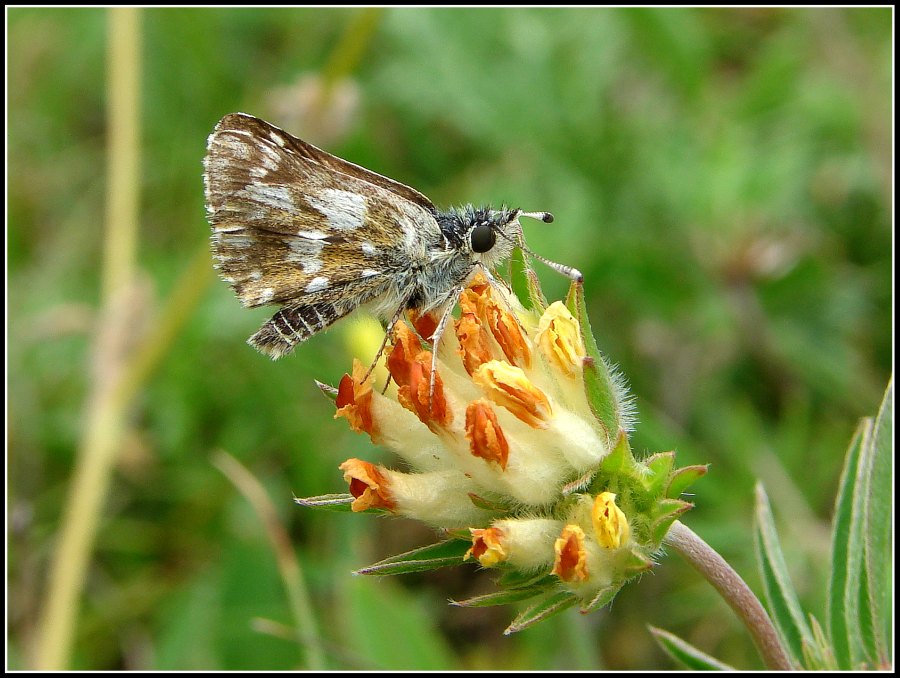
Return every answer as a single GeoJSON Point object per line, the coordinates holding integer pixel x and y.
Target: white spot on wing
{"type": "Point", "coordinates": [368, 273]}
{"type": "Point", "coordinates": [306, 253]}
{"type": "Point", "coordinates": [343, 209]}
{"type": "Point", "coordinates": [266, 295]}
{"type": "Point", "coordinates": [274, 195]}
{"type": "Point", "coordinates": [313, 235]}
{"type": "Point", "coordinates": [277, 138]}
{"type": "Point", "coordinates": [369, 249]}
{"type": "Point", "coordinates": [317, 284]}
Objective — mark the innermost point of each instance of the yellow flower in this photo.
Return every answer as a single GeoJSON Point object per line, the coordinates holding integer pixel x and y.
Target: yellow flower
{"type": "Point", "coordinates": [610, 524]}
{"type": "Point", "coordinates": [559, 338]}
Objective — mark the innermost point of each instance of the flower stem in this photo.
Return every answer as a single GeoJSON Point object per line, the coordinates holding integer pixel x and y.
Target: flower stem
{"type": "Point", "coordinates": [734, 590]}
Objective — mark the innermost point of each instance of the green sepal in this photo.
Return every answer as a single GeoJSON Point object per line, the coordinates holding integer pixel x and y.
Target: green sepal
{"type": "Point", "coordinates": [432, 557]}
{"type": "Point", "coordinates": [660, 466]}
{"type": "Point", "coordinates": [332, 502]}
{"type": "Point", "coordinates": [604, 597]}
{"type": "Point", "coordinates": [620, 460]}
{"type": "Point", "coordinates": [487, 504]}
{"type": "Point", "coordinates": [667, 512]}
{"type": "Point", "coordinates": [525, 283]}
{"type": "Point", "coordinates": [501, 597]}
{"type": "Point", "coordinates": [515, 579]}
{"type": "Point", "coordinates": [578, 484]}
{"type": "Point", "coordinates": [541, 611]}
{"type": "Point", "coordinates": [327, 390]}
{"type": "Point", "coordinates": [683, 478]}
{"type": "Point", "coordinates": [636, 563]}
{"type": "Point", "coordinates": [598, 384]}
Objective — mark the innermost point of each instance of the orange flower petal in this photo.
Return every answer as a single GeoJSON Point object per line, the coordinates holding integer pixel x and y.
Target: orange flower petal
{"type": "Point", "coordinates": [571, 555]}
{"type": "Point", "coordinates": [425, 324]}
{"type": "Point", "coordinates": [406, 347]}
{"type": "Point", "coordinates": [432, 410]}
{"type": "Point", "coordinates": [354, 401]}
{"type": "Point", "coordinates": [506, 331]}
{"type": "Point", "coordinates": [474, 347]}
{"type": "Point", "coordinates": [508, 386]}
{"type": "Point", "coordinates": [368, 485]}
{"type": "Point", "coordinates": [486, 438]}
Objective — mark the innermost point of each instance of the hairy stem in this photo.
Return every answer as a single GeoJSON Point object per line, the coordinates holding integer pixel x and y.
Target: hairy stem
{"type": "Point", "coordinates": [734, 590]}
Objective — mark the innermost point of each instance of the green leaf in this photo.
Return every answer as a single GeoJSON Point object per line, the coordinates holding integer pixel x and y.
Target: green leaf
{"type": "Point", "coordinates": [685, 653]}
{"type": "Point", "coordinates": [783, 603]}
{"type": "Point", "coordinates": [683, 478]}
{"type": "Point", "coordinates": [846, 558]}
{"type": "Point", "coordinates": [432, 557]}
{"type": "Point", "coordinates": [879, 511]}
{"type": "Point", "coordinates": [332, 502]}
{"type": "Point", "coordinates": [541, 611]}
{"type": "Point", "coordinates": [501, 597]}
{"type": "Point", "coordinates": [598, 382]}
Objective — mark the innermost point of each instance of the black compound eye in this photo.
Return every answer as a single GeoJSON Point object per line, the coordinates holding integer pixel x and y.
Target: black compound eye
{"type": "Point", "coordinates": [482, 238]}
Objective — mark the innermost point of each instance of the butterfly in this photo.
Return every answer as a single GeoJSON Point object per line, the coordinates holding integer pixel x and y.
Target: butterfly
{"type": "Point", "coordinates": [297, 227]}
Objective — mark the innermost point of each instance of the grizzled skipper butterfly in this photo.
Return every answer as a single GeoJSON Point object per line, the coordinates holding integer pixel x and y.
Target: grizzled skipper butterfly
{"type": "Point", "coordinates": [296, 226]}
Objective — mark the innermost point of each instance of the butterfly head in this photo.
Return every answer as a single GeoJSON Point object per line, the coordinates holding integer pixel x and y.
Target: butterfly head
{"type": "Point", "coordinates": [488, 235]}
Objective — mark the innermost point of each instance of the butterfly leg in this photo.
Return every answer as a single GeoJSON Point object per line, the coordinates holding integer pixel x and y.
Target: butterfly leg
{"type": "Point", "coordinates": [450, 302]}
{"type": "Point", "coordinates": [384, 342]}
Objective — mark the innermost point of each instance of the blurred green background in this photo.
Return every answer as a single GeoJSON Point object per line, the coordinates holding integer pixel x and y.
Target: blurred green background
{"type": "Point", "coordinates": [723, 178]}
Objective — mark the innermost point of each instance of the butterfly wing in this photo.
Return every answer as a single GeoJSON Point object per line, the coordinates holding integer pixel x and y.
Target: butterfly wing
{"type": "Point", "coordinates": [296, 226]}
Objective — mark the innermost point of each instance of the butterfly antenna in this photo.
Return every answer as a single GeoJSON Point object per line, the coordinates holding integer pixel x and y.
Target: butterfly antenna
{"type": "Point", "coordinates": [547, 218]}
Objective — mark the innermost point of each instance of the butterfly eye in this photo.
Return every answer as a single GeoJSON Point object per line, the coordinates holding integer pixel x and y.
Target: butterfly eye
{"type": "Point", "coordinates": [482, 238]}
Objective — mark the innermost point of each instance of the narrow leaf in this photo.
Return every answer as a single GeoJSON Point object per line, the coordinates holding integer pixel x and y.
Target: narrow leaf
{"type": "Point", "coordinates": [685, 653]}
{"type": "Point", "coordinates": [845, 565]}
{"type": "Point", "coordinates": [879, 525]}
{"type": "Point", "coordinates": [541, 611]}
{"type": "Point", "coordinates": [431, 557]}
{"type": "Point", "coordinates": [783, 603]}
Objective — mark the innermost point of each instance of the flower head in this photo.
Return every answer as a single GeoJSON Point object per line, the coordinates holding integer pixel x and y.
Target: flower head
{"type": "Point", "coordinates": [517, 431]}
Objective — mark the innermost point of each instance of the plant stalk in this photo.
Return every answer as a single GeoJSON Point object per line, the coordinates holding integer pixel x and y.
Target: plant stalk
{"type": "Point", "coordinates": [735, 592]}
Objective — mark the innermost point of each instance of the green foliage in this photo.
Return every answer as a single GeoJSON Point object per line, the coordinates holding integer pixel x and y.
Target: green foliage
{"type": "Point", "coordinates": [722, 177]}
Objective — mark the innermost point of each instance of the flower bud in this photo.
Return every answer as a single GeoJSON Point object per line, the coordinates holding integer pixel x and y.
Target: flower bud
{"type": "Point", "coordinates": [571, 555]}
{"type": "Point", "coordinates": [559, 338]}
{"type": "Point", "coordinates": [610, 524]}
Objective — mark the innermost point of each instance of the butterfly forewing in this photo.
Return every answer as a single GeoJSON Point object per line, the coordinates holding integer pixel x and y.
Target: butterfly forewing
{"type": "Point", "coordinates": [296, 226]}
